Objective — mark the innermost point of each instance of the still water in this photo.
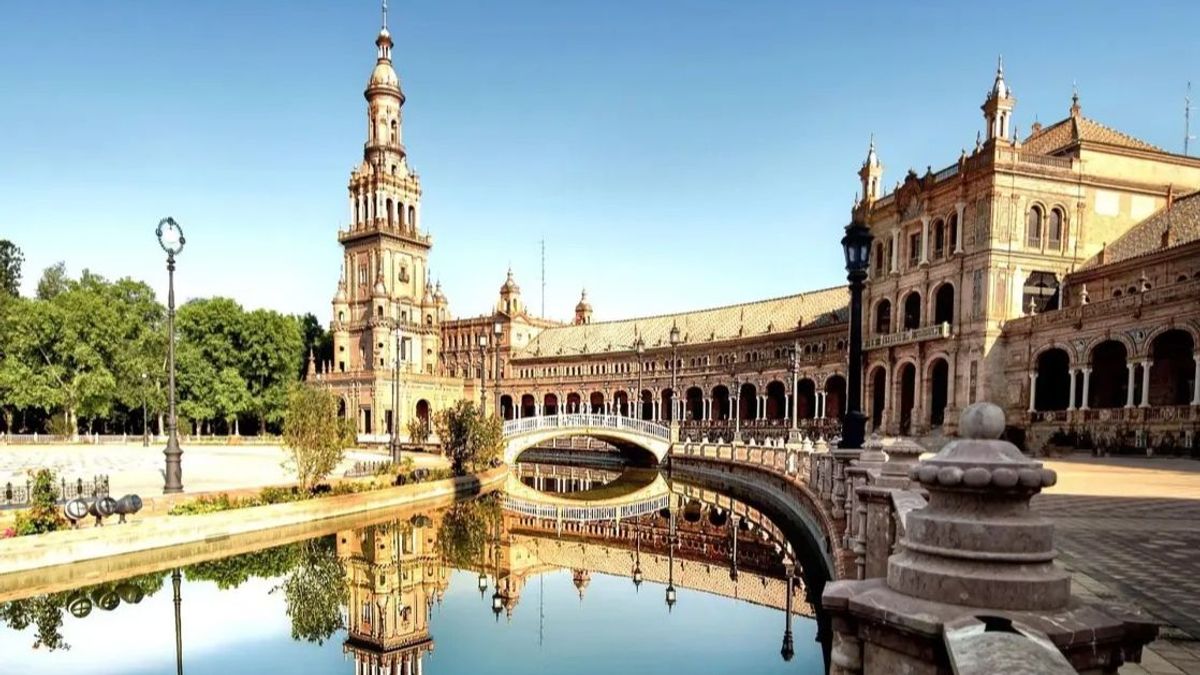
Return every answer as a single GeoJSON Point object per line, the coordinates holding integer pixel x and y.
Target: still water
{"type": "Point", "coordinates": [568, 570]}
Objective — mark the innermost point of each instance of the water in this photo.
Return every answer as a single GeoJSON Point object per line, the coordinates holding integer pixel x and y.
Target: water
{"type": "Point", "coordinates": [403, 595]}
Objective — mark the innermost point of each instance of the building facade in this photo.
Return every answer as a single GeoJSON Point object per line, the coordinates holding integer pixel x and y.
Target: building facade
{"type": "Point", "coordinates": [977, 270]}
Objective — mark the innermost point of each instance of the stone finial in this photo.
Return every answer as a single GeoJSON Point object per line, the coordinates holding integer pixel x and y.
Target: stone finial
{"type": "Point", "coordinates": [902, 455]}
{"type": "Point", "coordinates": [821, 445]}
{"type": "Point", "coordinates": [1084, 297]}
{"type": "Point", "coordinates": [978, 543]}
{"type": "Point", "coordinates": [806, 445]}
{"type": "Point", "coordinates": [872, 453]}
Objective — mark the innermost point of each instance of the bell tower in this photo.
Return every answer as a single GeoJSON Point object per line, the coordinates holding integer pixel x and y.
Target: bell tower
{"type": "Point", "coordinates": [998, 108]}
{"type": "Point", "coordinates": [871, 175]}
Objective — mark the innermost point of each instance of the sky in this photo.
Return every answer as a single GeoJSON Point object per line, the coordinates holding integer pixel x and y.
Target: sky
{"type": "Point", "coordinates": [673, 155]}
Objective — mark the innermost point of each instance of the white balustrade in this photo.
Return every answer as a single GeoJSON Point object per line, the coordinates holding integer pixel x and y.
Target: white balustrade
{"type": "Point", "coordinates": [585, 420]}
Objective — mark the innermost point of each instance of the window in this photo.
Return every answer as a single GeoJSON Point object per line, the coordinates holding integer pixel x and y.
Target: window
{"type": "Point", "coordinates": [914, 249]}
{"type": "Point", "coordinates": [878, 259]}
{"type": "Point", "coordinates": [976, 294]}
{"type": "Point", "coordinates": [1033, 228]}
{"type": "Point", "coordinates": [362, 275]}
{"type": "Point", "coordinates": [939, 238]}
{"type": "Point", "coordinates": [1054, 235]}
{"type": "Point", "coordinates": [981, 221]}
{"type": "Point", "coordinates": [890, 253]}
{"type": "Point", "coordinates": [973, 381]}
{"type": "Point", "coordinates": [952, 232]}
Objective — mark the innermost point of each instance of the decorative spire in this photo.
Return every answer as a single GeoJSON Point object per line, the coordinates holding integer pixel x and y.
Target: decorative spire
{"type": "Point", "coordinates": [1000, 87]}
{"type": "Point", "coordinates": [384, 25]}
{"type": "Point", "coordinates": [1076, 109]}
{"type": "Point", "coordinates": [872, 158]}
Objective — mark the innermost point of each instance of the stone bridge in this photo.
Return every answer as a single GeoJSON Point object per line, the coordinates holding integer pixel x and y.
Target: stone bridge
{"type": "Point", "coordinates": [627, 434]}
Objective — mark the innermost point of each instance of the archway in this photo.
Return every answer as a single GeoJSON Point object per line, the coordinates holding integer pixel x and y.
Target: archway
{"type": "Point", "coordinates": [883, 317]}
{"type": "Point", "coordinates": [747, 402]}
{"type": "Point", "coordinates": [528, 405]}
{"type": "Point", "coordinates": [1173, 372]}
{"type": "Point", "coordinates": [912, 311]}
{"type": "Point", "coordinates": [720, 402]}
{"type": "Point", "coordinates": [878, 396]}
{"type": "Point", "coordinates": [647, 406]}
{"type": "Point", "coordinates": [776, 400]}
{"type": "Point", "coordinates": [596, 403]}
{"type": "Point", "coordinates": [939, 390]}
{"type": "Point", "coordinates": [943, 304]}
{"type": "Point", "coordinates": [694, 398]}
{"type": "Point", "coordinates": [341, 409]}
{"type": "Point", "coordinates": [550, 404]}
{"type": "Point", "coordinates": [665, 410]}
{"type": "Point", "coordinates": [806, 396]}
{"type": "Point", "coordinates": [423, 412]}
{"type": "Point", "coordinates": [908, 392]}
{"type": "Point", "coordinates": [574, 401]}
{"type": "Point", "coordinates": [1109, 387]}
{"type": "Point", "coordinates": [1053, 390]}
{"type": "Point", "coordinates": [621, 403]}
{"type": "Point", "coordinates": [506, 407]}
{"type": "Point", "coordinates": [835, 398]}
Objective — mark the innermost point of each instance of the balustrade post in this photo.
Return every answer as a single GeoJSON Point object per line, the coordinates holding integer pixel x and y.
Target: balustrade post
{"type": "Point", "coordinates": [1071, 400]}
{"type": "Point", "coordinates": [1196, 379]}
{"type": "Point", "coordinates": [1130, 367]}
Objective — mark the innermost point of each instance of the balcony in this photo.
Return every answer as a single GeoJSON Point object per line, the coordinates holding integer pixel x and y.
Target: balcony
{"type": "Point", "coordinates": [934, 332]}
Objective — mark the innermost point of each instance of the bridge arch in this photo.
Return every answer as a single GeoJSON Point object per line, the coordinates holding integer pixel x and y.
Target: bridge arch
{"type": "Point", "coordinates": [623, 432]}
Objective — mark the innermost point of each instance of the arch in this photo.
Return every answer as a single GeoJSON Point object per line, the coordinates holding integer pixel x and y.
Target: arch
{"type": "Point", "coordinates": [506, 407]}
{"type": "Point", "coordinates": [1173, 367]}
{"type": "Point", "coordinates": [423, 412]}
{"type": "Point", "coordinates": [952, 231]}
{"type": "Point", "coordinates": [528, 405]}
{"type": "Point", "coordinates": [907, 379]}
{"type": "Point", "coordinates": [1033, 226]}
{"type": "Point", "coordinates": [939, 391]}
{"type": "Point", "coordinates": [939, 238]}
{"type": "Point", "coordinates": [776, 400]}
{"type": "Point", "coordinates": [1053, 390]}
{"type": "Point", "coordinates": [666, 406]}
{"type": "Point", "coordinates": [391, 213]}
{"type": "Point", "coordinates": [835, 397]}
{"type": "Point", "coordinates": [1055, 229]}
{"type": "Point", "coordinates": [596, 403]}
{"type": "Point", "coordinates": [693, 404]}
{"type": "Point", "coordinates": [647, 400]}
{"type": "Point", "coordinates": [621, 403]}
{"type": "Point", "coordinates": [912, 310]}
{"type": "Point", "coordinates": [747, 401]}
{"type": "Point", "coordinates": [943, 304]}
{"type": "Point", "coordinates": [550, 404]}
{"type": "Point", "coordinates": [412, 217]}
{"type": "Point", "coordinates": [341, 408]}
{"type": "Point", "coordinates": [720, 402]}
{"type": "Point", "coordinates": [883, 317]}
{"type": "Point", "coordinates": [806, 398]}
{"type": "Point", "coordinates": [574, 402]}
{"type": "Point", "coordinates": [878, 395]}
{"type": "Point", "coordinates": [1109, 385]}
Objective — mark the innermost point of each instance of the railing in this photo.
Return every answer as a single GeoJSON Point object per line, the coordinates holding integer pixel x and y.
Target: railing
{"type": "Point", "coordinates": [1043, 160]}
{"type": "Point", "coordinates": [19, 495]}
{"type": "Point", "coordinates": [585, 420]}
{"type": "Point", "coordinates": [1100, 308]}
{"type": "Point", "coordinates": [934, 332]}
{"type": "Point", "coordinates": [584, 513]}
{"type": "Point", "coordinates": [945, 173]}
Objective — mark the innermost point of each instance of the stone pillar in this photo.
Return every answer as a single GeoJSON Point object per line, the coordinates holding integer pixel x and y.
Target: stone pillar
{"type": "Point", "coordinates": [924, 241]}
{"type": "Point", "coordinates": [1087, 388]}
{"type": "Point", "coordinates": [1033, 391]}
{"type": "Point", "coordinates": [1196, 379]}
{"type": "Point", "coordinates": [895, 251]}
{"type": "Point", "coordinates": [1146, 383]}
{"type": "Point", "coordinates": [1130, 366]}
{"type": "Point", "coordinates": [1071, 401]}
{"type": "Point", "coordinates": [958, 230]}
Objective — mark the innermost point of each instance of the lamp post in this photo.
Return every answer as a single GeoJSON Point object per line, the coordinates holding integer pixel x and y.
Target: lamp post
{"type": "Point", "coordinates": [497, 333]}
{"type": "Point", "coordinates": [483, 341]}
{"type": "Point", "coordinates": [145, 422]}
{"type": "Point", "coordinates": [670, 594]}
{"type": "Point", "coordinates": [674, 339]}
{"type": "Point", "coordinates": [639, 348]}
{"type": "Point", "coordinates": [856, 244]}
{"type": "Point", "coordinates": [737, 407]}
{"type": "Point", "coordinates": [394, 441]}
{"type": "Point", "coordinates": [788, 650]}
{"type": "Point", "coordinates": [794, 436]}
{"type": "Point", "coordinates": [176, 580]}
{"type": "Point", "coordinates": [170, 238]}
{"type": "Point", "coordinates": [637, 560]}
{"type": "Point", "coordinates": [733, 555]}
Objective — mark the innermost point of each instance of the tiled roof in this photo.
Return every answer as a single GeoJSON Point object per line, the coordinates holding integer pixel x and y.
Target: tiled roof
{"type": "Point", "coordinates": [1076, 128]}
{"type": "Point", "coordinates": [1182, 217]}
{"type": "Point", "coordinates": [778, 315]}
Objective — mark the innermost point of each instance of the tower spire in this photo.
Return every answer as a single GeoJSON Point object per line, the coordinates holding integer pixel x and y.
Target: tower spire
{"type": "Point", "coordinates": [384, 27]}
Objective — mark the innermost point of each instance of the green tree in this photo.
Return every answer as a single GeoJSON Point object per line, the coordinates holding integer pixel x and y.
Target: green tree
{"type": "Point", "coordinates": [54, 281]}
{"type": "Point", "coordinates": [465, 529]}
{"type": "Point", "coordinates": [271, 356]}
{"type": "Point", "coordinates": [236, 570]}
{"type": "Point", "coordinates": [418, 430]}
{"type": "Point", "coordinates": [315, 592]}
{"type": "Point", "coordinates": [43, 514]}
{"type": "Point", "coordinates": [317, 341]}
{"type": "Point", "coordinates": [473, 441]}
{"type": "Point", "coordinates": [11, 259]}
{"type": "Point", "coordinates": [314, 435]}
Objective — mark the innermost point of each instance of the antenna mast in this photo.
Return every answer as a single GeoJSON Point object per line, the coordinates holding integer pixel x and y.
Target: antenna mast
{"type": "Point", "coordinates": [1187, 118]}
{"type": "Point", "coordinates": [544, 272]}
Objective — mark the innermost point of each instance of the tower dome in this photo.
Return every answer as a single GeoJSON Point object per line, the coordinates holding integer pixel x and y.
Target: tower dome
{"type": "Point", "coordinates": [583, 310]}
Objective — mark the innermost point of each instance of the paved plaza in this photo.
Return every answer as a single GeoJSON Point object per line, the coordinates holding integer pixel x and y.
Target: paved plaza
{"type": "Point", "coordinates": [136, 469]}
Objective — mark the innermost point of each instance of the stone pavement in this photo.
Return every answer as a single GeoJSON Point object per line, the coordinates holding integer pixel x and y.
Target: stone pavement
{"type": "Point", "coordinates": [1129, 530]}
{"type": "Point", "coordinates": [133, 468]}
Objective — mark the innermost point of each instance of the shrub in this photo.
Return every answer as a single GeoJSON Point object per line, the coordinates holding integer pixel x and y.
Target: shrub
{"type": "Point", "coordinates": [314, 434]}
{"type": "Point", "coordinates": [43, 514]}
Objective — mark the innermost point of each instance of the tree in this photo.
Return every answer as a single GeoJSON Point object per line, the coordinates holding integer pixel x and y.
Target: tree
{"type": "Point", "coordinates": [11, 258]}
{"type": "Point", "coordinates": [317, 341]}
{"type": "Point", "coordinates": [418, 430]}
{"type": "Point", "coordinates": [271, 355]}
{"type": "Point", "coordinates": [54, 281]}
{"type": "Point", "coordinates": [471, 440]}
{"type": "Point", "coordinates": [315, 592]}
{"type": "Point", "coordinates": [314, 434]}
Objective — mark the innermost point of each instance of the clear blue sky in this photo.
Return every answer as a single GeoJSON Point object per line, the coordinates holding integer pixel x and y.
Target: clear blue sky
{"type": "Point", "coordinates": [674, 154]}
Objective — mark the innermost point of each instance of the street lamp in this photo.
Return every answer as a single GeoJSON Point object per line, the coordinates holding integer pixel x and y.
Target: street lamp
{"type": "Point", "coordinates": [395, 439]}
{"type": "Point", "coordinates": [788, 650]}
{"type": "Point", "coordinates": [856, 244]}
{"type": "Point", "coordinates": [670, 556]}
{"type": "Point", "coordinates": [170, 238]}
{"type": "Point", "coordinates": [639, 348]}
{"type": "Point", "coordinates": [637, 560]}
{"type": "Point", "coordinates": [483, 340]}
{"type": "Point", "coordinates": [497, 333]}
{"type": "Point", "coordinates": [737, 407]}
{"type": "Point", "coordinates": [674, 339]}
{"type": "Point", "coordinates": [733, 555]}
{"type": "Point", "coordinates": [795, 368]}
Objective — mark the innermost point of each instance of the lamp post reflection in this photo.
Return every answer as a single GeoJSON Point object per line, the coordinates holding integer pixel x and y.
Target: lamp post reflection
{"type": "Point", "coordinates": [637, 556]}
{"type": "Point", "coordinates": [176, 580]}
{"type": "Point", "coordinates": [789, 649]}
{"type": "Point", "coordinates": [733, 556]}
{"type": "Point", "coordinates": [670, 555]}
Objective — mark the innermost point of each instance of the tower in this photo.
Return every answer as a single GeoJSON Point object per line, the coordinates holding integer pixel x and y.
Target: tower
{"type": "Point", "coordinates": [583, 310]}
{"type": "Point", "coordinates": [871, 174]}
{"type": "Point", "coordinates": [510, 297]}
{"type": "Point", "coordinates": [384, 281]}
{"type": "Point", "coordinates": [998, 108]}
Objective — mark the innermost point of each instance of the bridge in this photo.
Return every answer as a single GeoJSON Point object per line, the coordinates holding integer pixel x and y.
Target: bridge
{"type": "Point", "coordinates": [636, 493]}
{"type": "Point", "coordinates": [626, 433]}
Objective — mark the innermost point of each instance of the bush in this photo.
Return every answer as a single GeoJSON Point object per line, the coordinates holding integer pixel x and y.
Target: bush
{"type": "Point", "coordinates": [43, 514]}
{"type": "Point", "coordinates": [314, 434]}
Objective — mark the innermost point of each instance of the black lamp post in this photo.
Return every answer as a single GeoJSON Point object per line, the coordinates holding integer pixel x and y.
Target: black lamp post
{"type": "Point", "coordinates": [497, 333]}
{"type": "Point", "coordinates": [483, 341]}
{"type": "Point", "coordinates": [170, 238]}
{"type": "Point", "coordinates": [637, 560]}
{"type": "Point", "coordinates": [788, 650]}
{"type": "Point", "coordinates": [639, 347]}
{"type": "Point", "coordinates": [856, 244]}
{"type": "Point", "coordinates": [395, 439]}
{"type": "Point", "coordinates": [670, 593]}
{"type": "Point", "coordinates": [145, 422]}
{"type": "Point", "coordinates": [176, 599]}
{"type": "Point", "coordinates": [674, 338]}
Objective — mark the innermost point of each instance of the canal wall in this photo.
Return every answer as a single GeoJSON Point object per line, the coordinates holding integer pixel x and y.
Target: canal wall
{"type": "Point", "coordinates": [141, 535]}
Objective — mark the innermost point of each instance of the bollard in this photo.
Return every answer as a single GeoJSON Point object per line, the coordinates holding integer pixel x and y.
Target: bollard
{"type": "Point", "coordinates": [106, 598]}
{"type": "Point", "coordinates": [102, 508]}
{"type": "Point", "coordinates": [76, 510]}
{"type": "Point", "coordinates": [127, 506]}
{"type": "Point", "coordinates": [79, 605]}
{"type": "Point", "coordinates": [130, 594]}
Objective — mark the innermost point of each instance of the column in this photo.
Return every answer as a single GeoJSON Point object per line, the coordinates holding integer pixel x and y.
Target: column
{"type": "Point", "coordinates": [924, 240]}
{"type": "Point", "coordinates": [1196, 379]}
{"type": "Point", "coordinates": [1033, 391]}
{"type": "Point", "coordinates": [788, 409]}
{"type": "Point", "coordinates": [1071, 401]}
{"type": "Point", "coordinates": [1146, 383]}
{"type": "Point", "coordinates": [895, 250]}
{"type": "Point", "coordinates": [958, 231]}
{"type": "Point", "coordinates": [1087, 387]}
{"type": "Point", "coordinates": [1129, 385]}
{"type": "Point", "coordinates": [762, 406]}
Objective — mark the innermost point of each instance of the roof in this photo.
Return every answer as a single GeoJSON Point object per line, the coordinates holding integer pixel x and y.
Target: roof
{"type": "Point", "coordinates": [1183, 219]}
{"type": "Point", "coordinates": [1070, 131]}
{"type": "Point", "coordinates": [763, 317]}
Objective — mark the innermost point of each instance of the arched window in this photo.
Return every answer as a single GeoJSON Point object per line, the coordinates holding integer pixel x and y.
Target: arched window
{"type": "Point", "coordinates": [391, 214]}
{"type": "Point", "coordinates": [939, 238]}
{"type": "Point", "coordinates": [393, 131]}
{"type": "Point", "coordinates": [412, 217]}
{"type": "Point", "coordinates": [952, 231]}
{"type": "Point", "coordinates": [883, 319]}
{"type": "Point", "coordinates": [1033, 228]}
{"type": "Point", "coordinates": [878, 259]}
{"type": "Point", "coordinates": [1054, 234]}
{"type": "Point", "coordinates": [912, 311]}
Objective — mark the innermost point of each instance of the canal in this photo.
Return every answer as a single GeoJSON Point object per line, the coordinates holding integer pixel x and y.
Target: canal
{"type": "Point", "coordinates": [569, 569]}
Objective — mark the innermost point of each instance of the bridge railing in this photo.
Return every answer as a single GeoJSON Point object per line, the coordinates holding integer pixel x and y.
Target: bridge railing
{"type": "Point", "coordinates": [584, 512]}
{"type": "Point", "coordinates": [586, 420]}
